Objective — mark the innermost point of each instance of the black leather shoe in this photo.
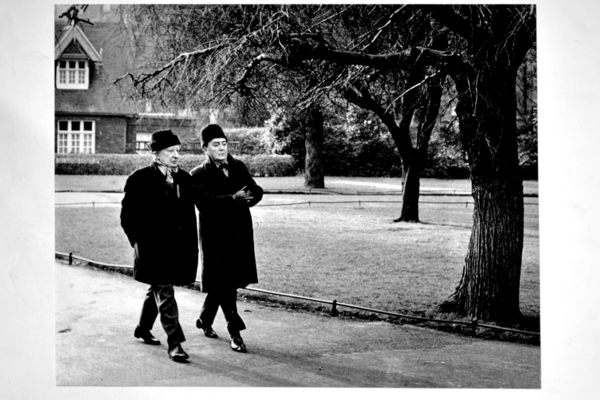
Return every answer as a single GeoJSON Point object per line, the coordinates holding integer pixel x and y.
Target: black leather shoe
{"type": "Point", "coordinates": [237, 344]}
{"type": "Point", "coordinates": [145, 335]}
{"type": "Point", "coordinates": [177, 354]}
{"type": "Point", "coordinates": [208, 331]}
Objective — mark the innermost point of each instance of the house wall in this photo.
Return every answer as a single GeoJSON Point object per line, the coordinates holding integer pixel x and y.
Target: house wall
{"type": "Point", "coordinates": [111, 135]}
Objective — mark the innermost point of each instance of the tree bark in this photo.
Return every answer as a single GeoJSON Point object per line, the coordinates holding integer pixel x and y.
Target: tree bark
{"type": "Point", "coordinates": [313, 171]}
{"type": "Point", "coordinates": [411, 187]}
{"type": "Point", "coordinates": [489, 287]}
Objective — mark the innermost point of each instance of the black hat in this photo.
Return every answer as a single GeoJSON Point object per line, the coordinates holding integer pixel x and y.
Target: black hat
{"type": "Point", "coordinates": [163, 139]}
{"type": "Point", "coordinates": [210, 132]}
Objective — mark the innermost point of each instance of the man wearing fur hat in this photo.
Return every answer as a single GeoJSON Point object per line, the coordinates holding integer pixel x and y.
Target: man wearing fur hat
{"type": "Point", "coordinates": [159, 220]}
{"type": "Point", "coordinates": [225, 191]}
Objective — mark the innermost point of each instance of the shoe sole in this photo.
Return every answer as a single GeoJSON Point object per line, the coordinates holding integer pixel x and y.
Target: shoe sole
{"type": "Point", "coordinates": [239, 349]}
{"type": "Point", "coordinates": [178, 358]}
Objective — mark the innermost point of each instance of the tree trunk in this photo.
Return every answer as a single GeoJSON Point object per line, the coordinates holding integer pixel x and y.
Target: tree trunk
{"type": "Point", "coordinates": [489, 287]}
{"type": "Point", "coordinates": [411, 191]}
{"type": "Point", "coordinates": [313, 171]}
{"type": "Point", "coordinates": [411, 186]}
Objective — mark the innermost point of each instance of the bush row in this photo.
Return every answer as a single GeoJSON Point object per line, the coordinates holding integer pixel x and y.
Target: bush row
{"type": "Point", "coordinates": [124, 164]}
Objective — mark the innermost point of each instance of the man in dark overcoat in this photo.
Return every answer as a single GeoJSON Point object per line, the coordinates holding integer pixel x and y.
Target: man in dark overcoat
{"type": "Point", "coordinates": [224, 191]}
{"type": "Point", "coordinates": [159, 219]}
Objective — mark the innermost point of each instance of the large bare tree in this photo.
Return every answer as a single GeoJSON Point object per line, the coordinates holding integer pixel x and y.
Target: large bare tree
{"type": "Point", "coordinates": [392, 61]}
{"type": "Point", "coordinates": [260, 55]}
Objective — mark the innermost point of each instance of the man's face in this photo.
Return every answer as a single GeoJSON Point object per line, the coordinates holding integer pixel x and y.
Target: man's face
{"type": "Point", "coordinates": [170, 156]}
{"type": "Point", "coordinates": [217, 149]}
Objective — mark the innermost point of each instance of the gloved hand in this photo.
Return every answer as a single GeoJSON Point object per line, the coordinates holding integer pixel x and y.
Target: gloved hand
{"type": "Point", "coordinates": [240, 195]}
{"type": "Point", "coordinates": [243, 196]}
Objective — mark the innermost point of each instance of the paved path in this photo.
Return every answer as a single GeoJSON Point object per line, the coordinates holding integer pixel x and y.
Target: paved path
{"type": "Point", "coordinates": [96, 312]}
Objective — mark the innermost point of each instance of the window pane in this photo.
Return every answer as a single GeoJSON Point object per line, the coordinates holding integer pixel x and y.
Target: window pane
{"type": "Point", "coordinates": [81, 77]}
{"type": "Point", "coordinates": [62, 77]}
{"type": "Point", "coordinates": [87, 143]}
{"type": "Point", "coordinates": [63, 126]}
{"type": "Point", "coordinates": [62, 142]}
{"type": "Point", "coordinates": [76, 125]}
{"type": "Point", "coordinates": [62, 64]}
{"type": "Point", "coordinates": [87, 125]}
{"type": "Point", "coordinates": [72, 64]}
{"type": "Point", "coordinates": [71, 76]}
{"type": "Point", "coordinates": [75, 143]}
{"type": "Point", "coordinates": [81, 64]}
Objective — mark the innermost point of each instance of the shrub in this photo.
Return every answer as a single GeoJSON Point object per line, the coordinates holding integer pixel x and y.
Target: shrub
{"type": "Point", "coordinates": [270, 165]}
{"type": "Point", "coordinates": [124, 164]}
{"type": "Point", "coordinates": [247, 140]}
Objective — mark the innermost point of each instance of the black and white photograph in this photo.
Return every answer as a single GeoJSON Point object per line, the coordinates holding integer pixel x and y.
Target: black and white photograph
{"type": "Point", "coordinates": [285, 196]}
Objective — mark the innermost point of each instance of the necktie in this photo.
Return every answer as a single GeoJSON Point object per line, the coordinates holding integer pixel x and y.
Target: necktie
{"type": "Point", "coordinates": [224, 169]}
{"type": "Point", "coordinates": [169, 176]}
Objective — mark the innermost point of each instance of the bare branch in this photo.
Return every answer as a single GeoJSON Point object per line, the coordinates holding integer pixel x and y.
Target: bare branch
{"type": "Point", "coordinates": [379, 61]}
{"type": "Point", "coordinates": [143, 79]}
{"type": "Point", "coordinates": [381, 29]}
{"type": "Point", "coordinates": [255, 62]}
{"type": "Point", "coordinates": [424, 81]}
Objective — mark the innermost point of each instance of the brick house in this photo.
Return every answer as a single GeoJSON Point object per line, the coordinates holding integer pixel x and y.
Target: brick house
{"type": "Point", "coordinates": [91, 116]}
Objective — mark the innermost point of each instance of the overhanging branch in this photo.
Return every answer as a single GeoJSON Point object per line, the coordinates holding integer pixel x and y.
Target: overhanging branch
{"type": "Point", "coordinates": [168, 68]}
{"type": "Point", "coordinates": [427, 78]}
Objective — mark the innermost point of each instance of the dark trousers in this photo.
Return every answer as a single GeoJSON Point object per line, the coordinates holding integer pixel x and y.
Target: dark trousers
{"type": "Point", "coordinates": [160, 299]}
{"type": "Point", "coordinates": [226, 299]}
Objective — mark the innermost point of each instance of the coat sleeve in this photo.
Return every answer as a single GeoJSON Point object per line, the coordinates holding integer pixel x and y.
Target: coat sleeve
{"type": "Point", "coordinates": [130, 209]}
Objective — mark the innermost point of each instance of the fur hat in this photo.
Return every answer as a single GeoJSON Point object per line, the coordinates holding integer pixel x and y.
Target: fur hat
{"type": "Point", "coordinates": [210, 132]}
{"type": "Point", "coordinates": [163, 139]}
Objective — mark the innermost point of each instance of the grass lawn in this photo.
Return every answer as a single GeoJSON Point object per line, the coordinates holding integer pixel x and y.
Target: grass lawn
{"type": "Point", "coordinates": [352, 254]}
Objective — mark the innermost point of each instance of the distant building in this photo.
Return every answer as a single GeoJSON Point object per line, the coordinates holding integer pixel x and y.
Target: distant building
{"type": "Point", "coordinates": [91, 116]}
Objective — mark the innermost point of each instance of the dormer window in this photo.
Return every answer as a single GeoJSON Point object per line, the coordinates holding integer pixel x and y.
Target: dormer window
{"type": "Point", "coordinates": [72, 74]}
{"type": "Point", "coordinates": [75, 57]}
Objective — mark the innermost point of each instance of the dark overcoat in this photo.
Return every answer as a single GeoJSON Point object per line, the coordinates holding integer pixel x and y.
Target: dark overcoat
{"type": "Point", "coordinates": [226, 232]}
{"type": "Point", "coordinates": [160, 223]}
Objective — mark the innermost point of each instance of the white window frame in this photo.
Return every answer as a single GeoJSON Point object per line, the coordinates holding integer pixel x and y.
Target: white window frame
{"type": "Point", "coordinates": [72, 74]}
{"type": "Point", "coordinates": [75, 139]}
{"type": "Point", "coordinates": [142, 137]}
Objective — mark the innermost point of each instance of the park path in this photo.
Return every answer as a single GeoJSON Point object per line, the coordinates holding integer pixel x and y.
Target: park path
{"type": "Point", "coordinates": [96, 312]}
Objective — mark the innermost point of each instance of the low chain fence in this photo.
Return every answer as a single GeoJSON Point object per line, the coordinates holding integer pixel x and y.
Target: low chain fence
{"type": "Point", "coordinates": [359, 203]}
{"type": "Point", "coordinates": [474, 324]}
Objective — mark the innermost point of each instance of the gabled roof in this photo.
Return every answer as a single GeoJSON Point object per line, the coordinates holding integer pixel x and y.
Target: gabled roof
{"type": "Point", "coordinates": [73, 39]}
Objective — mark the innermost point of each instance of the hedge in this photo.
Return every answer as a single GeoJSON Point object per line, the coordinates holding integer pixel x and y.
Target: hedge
{"type": "Point", "coordinates": [124, 164]}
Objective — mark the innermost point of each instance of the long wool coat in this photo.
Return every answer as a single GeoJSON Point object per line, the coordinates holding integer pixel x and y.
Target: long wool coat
{"type": "Point", "coordinates": [161, 226]}
{"type": "Point", "coordinates": [226, 232]}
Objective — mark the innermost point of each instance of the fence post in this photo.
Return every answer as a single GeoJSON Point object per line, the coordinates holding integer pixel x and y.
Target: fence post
{"type": "Point", "coordinates": [70, 258]}
{"type": "Point", "coordinates": [474, 327]}
{"type": "Point", "coordinates": [334, 312]}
